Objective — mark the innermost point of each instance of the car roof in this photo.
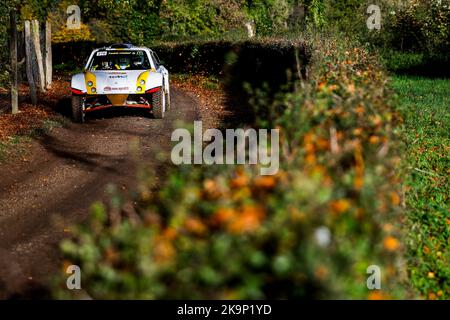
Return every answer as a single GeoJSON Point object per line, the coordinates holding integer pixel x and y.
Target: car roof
{"type": "Point", "coordinates": [119, 47]}
{"type": "Point", "coordinates": [122, 46]}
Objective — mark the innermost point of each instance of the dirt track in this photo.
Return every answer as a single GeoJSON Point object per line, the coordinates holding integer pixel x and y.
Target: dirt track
{"type": "Point", "coordinates": [54, 184]}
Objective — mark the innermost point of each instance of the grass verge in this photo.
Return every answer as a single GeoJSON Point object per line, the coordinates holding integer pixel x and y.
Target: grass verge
{"type": "Point", "coordinates": [424, 104]}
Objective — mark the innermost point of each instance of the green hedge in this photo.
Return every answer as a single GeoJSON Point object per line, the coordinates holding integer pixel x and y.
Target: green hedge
{"type": "Point", "coordinates": [249, 60]}
{"type": "Point", "coordinates": [260, 63]}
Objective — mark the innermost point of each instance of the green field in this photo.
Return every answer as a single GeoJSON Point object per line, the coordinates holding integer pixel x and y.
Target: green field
{"type": "Point", "coordinates": [425, 106]}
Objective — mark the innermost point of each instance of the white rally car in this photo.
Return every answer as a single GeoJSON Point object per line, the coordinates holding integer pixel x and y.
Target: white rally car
{"type": "Point", "coordinates": [121, 75]}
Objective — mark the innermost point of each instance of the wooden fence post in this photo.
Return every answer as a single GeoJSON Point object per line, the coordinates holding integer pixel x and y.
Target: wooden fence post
{"type": "Point", "coordinates": [38, 54]}
{"type": "Point", "coordinates": [29, 62]}
{"type": "Point", "coordinates": [48, 55]}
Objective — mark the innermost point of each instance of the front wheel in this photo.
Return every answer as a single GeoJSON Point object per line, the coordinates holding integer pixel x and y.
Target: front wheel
{"type": "Point", "coordinates": [78, 109]}
{"type": "Point", "coordinates": [158, 104]}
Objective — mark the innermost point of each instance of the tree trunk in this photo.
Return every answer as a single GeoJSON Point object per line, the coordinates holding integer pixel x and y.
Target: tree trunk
{"type": "Point", "coordinates": [48, 55]}
{"type": "Point", "coordinates": [38, 54]}
{"type": "Point", "coordinates": [29, 62]}
{"type": "Point", "coordinates": [14, 68]}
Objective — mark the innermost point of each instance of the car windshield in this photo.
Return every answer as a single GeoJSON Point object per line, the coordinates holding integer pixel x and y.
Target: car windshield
{"type": "Point", "coordinates": [119, 60]}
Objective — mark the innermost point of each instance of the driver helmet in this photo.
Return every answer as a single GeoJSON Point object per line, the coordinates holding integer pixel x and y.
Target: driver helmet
{"type": "Point", "coordinates": [138, 61]}
{"type": "Point", "coordinates": [106, 65]}
{"type": "Point", "coordinates": [123, 63]}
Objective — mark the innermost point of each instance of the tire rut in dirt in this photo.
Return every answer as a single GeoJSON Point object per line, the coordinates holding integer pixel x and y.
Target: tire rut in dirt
{"type": "Point", "coordinates": [65, 171]}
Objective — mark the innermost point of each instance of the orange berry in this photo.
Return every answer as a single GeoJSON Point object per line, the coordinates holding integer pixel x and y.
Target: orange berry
{"type": "Point", "coordinates": [376, 120]}
{"type": "Point", "coordinates": [223, 215]}
{"type": "Point", "coordinates": [248, 220]}
{"type": "Point", "coordinates": [351, 88]}
{"type": "Point", "coordinates": [340, 206]}
{"type": "Point", "coordinates": [308, 138]}
{"type": "Point", "coordinates": [390, 243]}
{"type": "Point", "coordinates": [195, 225]}
{"type": "Point", "coordinates": [357, 131]}
{"type": "Point", "coordinates": [309, 147]}
{"type": "Point", "coordinates": [358, 183]}
{"type": "Point", "coordinates": [169, 233]}
{"type": "Point", "coordinates": [310, 159]}
{"type": "Point", "coordinates": [209, 184]}
{"type": "Point", "coordinates": [163, 250]}
{"type": "Point", "coordinates": [395, 198]}
{"type": "Point", "coordinates": [265, 182]}
{"type": "Point", "coordinates": [322, 144]}
{"type": "Point", "coordinates": [359, 110]}
{"type": "Point", "coordinates": [374, 139]}
{"type": "Point", "coordinates": [376, 295]}
{"type": "Point", "coordinates": [321, 85]}
{"type": "Point", "coordinates": [241, 180]}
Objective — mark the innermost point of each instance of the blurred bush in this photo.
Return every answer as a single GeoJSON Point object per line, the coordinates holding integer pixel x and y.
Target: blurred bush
{"type": "Point", "coordinates": [225, 232]}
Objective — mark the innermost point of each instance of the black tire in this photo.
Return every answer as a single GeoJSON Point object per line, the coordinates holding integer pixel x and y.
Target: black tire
{"type": "Point", "coordinates": [157, 104]}
{"type": "Point", "coordinates": [77, 109]}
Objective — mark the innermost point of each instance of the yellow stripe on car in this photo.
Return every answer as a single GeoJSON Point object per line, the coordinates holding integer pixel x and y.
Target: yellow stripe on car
{"type": "Point", "coordinates": [141, 82]}
{"type": "Point", "coordinates": [91, 82]}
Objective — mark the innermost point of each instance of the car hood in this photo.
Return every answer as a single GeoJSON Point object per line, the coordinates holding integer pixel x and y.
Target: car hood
{"type": "Point", "coordinates": [109, 82]}
{"type": "Point", "coordinates": [117, 81]}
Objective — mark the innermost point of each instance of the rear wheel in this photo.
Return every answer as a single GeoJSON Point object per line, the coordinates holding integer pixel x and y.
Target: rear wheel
{"type": "Point", "coordinates": [78, 109]}
{"type": "Point", "coordinates": [158, 104]}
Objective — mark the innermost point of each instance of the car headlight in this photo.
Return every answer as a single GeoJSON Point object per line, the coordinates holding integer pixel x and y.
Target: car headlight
{"type": "Point", "coordinates": [93, 90]}
{"type": "Point", "coordinates": [139, 88]}
{"type": "Point", "coordinates": [142, 82]}
{"type": "Point", "coordinates": [90, 83]}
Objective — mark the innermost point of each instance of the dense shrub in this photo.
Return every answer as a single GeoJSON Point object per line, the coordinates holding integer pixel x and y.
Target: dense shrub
{"type": "Point", "coordinates": [4, 54]}
{"type": "Point", "coordinates": [200, 17]}
{"type": "Point", "coordinates": [310, 231]}
{"type": "Point", "coordinates": [269, 16]}
{"type": "Point", "coordinates": [421, 27]}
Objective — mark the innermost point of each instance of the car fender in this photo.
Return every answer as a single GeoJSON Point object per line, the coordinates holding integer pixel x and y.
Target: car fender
{"type": "Point", "coordinates": [154, 80]}
{"type": "Point", "coordinates": [78, 82]}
